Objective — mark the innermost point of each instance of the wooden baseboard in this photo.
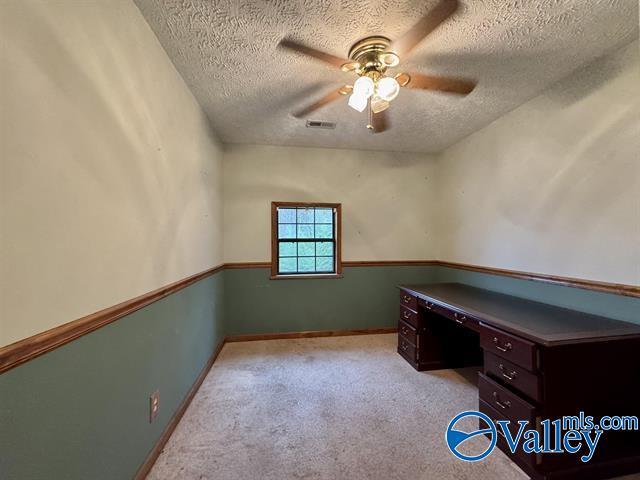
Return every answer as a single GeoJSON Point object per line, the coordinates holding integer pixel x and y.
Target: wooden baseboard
{"type": "Point", "coordinates": [309, 334]}
{"type": "Point", "coordinates": [146, 466]}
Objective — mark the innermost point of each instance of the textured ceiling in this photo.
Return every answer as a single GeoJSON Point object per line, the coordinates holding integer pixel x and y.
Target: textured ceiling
{"type": "Point", "coordinates": [226, 52]}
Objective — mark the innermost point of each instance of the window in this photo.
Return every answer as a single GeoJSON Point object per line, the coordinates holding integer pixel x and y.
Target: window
{"type": "Point", "coordinates": [305, 240]}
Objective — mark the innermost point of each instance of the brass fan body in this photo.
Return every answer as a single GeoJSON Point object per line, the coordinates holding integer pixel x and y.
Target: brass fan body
{"type": "Point", "coordinates": [372, 56]}
{"type": "Point", "coordinates": [368, 56]}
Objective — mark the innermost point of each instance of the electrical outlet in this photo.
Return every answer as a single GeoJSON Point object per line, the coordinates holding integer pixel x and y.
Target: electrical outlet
{"type": "Point", "coordinates": [154, 405]}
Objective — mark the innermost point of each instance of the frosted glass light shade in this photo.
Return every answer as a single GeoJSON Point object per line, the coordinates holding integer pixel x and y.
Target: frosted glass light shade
{"type": "Point", "coordinates": [387, 88]}
{"type": "Point", "coordinates": [357, 102]}
{"type": "Point", "coordinates": [363, 87]}
{"type": "Point", "coordinates": [378, 105]}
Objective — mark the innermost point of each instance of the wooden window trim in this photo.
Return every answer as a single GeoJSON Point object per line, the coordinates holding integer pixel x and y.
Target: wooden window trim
{"type": "Point", "coordinates": [274, 240]}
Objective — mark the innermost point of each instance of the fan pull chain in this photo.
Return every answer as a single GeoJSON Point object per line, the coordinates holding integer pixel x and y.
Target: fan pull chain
{"type": "Point", "coordinates": [370, 113]}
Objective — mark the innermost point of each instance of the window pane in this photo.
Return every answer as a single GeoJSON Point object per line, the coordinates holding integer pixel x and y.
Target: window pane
{"type": "Point", "coordinates": [286, 231]}
{"type": "Point", "coordinates": [305, 231]}
{"type": "Point", "coordinates": [287, 249]}
{"type": "Point", "coordinates": [324, 248]}
{"type": "Point", "coordinates": [306, 249]}
{"type": "Point", "coordinates": [324, 231]}
{"type": "Point", "coordinates": [298, 229]}
{"type": "Point", "coordinates": [324, 215]}
{"type": "Point", "coordinates": [324, 264]}
{"type": "Point", "coordinates": [286, 215]}
{"type": "Point", "coordinates": [306, 264]}
{"type": "Point", "coordinates": [288, 265]}
{"type": "Point", "coordinates": [305, 215]}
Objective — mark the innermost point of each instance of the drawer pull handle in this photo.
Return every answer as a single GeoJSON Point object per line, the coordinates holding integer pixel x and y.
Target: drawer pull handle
{"type": "Point", "coordinates": [506, 348]}
{"type": "Point", "coordinates": [406, 298]}
{"type": "Point", "coordinates": [406, 315]}
{"type": "Point", "coordinates": [429, 305]}
{"type": "Point", "coordinates": [405, 330]}
{"type": "Point", "coordinates": [504, 404]}
{"type": "Point", "coordinates": [508, 376]}
{"type": "Point", "coordinates": [404, 347]}
{"type": "Point", "coordinates": [460, 320]}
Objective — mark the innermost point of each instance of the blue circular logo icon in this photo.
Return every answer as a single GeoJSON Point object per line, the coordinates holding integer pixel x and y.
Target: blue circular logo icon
{"type": "Point", "coordinates": [456, 438]}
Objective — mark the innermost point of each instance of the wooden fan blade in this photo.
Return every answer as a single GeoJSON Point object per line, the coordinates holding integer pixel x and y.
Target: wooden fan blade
{"type": "Point", "coordinates": [442, 84]}
{"type": "Point", "coordinates": [328, 98]}
{"type": "Point", "coordinates": [312, 52]}
{"type": "Point", "coordinates": [427, 24]}
{"type": "Point", "coordinates": [380, 122]}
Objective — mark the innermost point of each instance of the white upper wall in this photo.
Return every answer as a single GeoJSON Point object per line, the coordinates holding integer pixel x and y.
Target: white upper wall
{"type": "Point", "coordinates": [553, 186]}
{"type": "Point", "coordinates": [111, 177]}
{"type": "Point", "coordinates": [110, 174]}
{"type": "Point", "coordinates": [387, 199]}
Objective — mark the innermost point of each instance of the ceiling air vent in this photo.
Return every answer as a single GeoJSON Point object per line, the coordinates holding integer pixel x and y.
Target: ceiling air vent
{"type": "Point", "coordinates": [319, 124]}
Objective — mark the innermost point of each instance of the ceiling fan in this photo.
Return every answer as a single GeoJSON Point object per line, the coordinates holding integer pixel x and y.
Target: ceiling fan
{"type": "Point", "coordinates": [371, 57]}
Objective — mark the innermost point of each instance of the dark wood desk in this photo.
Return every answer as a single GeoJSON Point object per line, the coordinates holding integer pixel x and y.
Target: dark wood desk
{"type": "Point", "coordinates": [539, 362]}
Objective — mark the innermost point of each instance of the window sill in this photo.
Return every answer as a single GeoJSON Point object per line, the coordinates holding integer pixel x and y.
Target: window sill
{"type": "Point", "coordinates": [314, 276]}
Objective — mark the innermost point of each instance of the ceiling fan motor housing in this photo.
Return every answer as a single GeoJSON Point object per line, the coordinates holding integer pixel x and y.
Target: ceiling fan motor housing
{"type": "Point", "coordinates": [368, 53]}
{"type": "Point", "coordinates": [371, 57]}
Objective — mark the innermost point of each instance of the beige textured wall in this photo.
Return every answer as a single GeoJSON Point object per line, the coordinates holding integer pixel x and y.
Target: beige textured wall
{"type": "Point", "coordinates": [387, 199]}
{"type": "Point", "coordinates": [111, 179]}
{"type": "Point", "coordinates": [553, 186]}
{"type": "Point", "coordinates": [110, 174]}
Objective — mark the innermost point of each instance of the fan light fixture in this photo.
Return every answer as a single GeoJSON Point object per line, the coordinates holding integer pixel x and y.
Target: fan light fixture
{"type": "Point", "coordinates": [363, 87]}
{"type": "Point", "coordinates": [381, 93]}
{"type": "Point", "coordinates": [370, 59]}
{"type": "Point", "coordinates": [378, 104]}
{"type": "Point", "coordinates": [387, 88]}
{"type": "Point", "coordinates": [358, 102]}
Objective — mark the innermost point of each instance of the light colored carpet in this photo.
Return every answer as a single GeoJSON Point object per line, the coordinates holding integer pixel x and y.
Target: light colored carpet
{"type": "Point", "coordinates": [324, 408]}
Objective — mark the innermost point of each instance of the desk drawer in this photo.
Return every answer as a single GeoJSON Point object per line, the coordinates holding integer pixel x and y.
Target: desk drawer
{"type": "Point", "coordinates": [529, 459]}
{"type": "Point", "coordinates": [406, 348]}
{"type": "Point", "coordinates": [504, 401]}
{"type": "Point", "coordinates": [513, 375]}
{"type": "Point", "coordinates": [466, 321]}
{"type": "Point", "coordinates": [451, 314]}
{"type": "Point", "coordinates": [408, 332]}
{"type": "Point", "coordinates": [409, 316]}
{"type": "Point", "coordinates": [459, 318]}
{"type": "Point", "coordinates": [515, 349]}
{"type": "Point", "coordinates": [408, 300]}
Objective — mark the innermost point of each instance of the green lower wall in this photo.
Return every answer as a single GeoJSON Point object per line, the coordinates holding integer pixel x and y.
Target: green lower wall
{"type": "Point", "coordinates": [366, 297]}
{"type": "Point", "coordinates": [589, 301]}
{"type": "Point", "coordinates": [81, 411]}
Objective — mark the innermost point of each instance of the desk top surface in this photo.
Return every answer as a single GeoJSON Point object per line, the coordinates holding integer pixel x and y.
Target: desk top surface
{"type": "Point", "coordinates": [542, 323]}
